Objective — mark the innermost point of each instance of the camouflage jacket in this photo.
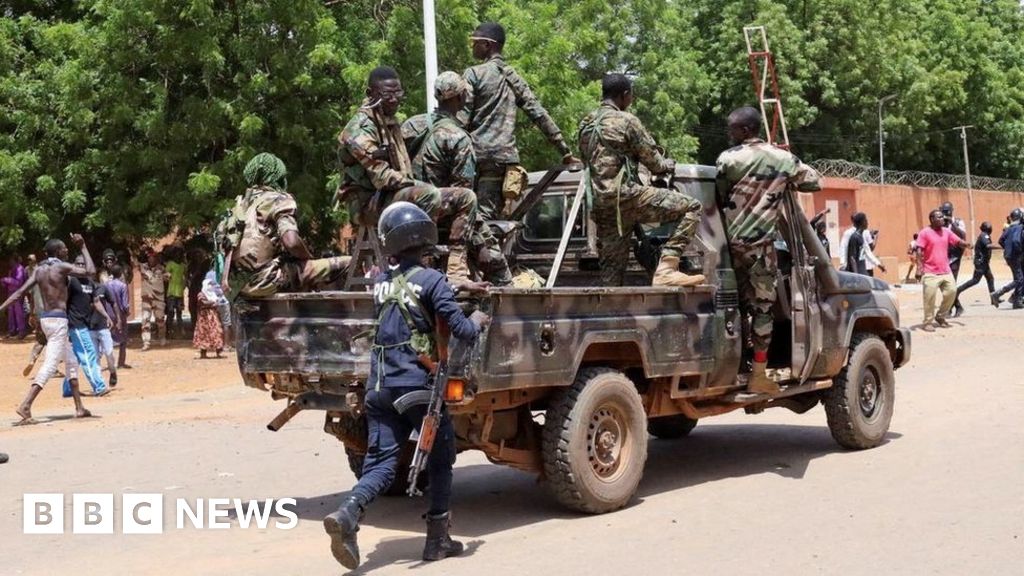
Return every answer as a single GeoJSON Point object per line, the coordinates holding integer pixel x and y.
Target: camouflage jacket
{"type": "Point", "coordinates": [269, 214]}
{"type": "Point", "coordinates": [752, 180]}
{"type": "Point", "coordinates": [152, 283]}
{"type": "Point", "coordinates": [612, 143]}
{"type": "Point", "coordinates": [442, 152]}
{"type": "Point", "coordinates": [495, 91]}
{"type": "Point", "coordinates": [372, 155]}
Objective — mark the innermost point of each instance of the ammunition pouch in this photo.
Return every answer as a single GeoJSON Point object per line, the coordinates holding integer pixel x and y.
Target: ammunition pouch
{"type": "Point", "coordinates": [516, 180]}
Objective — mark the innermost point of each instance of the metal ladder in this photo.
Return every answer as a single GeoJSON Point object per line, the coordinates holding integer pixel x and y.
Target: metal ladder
{"type": "Point", "coordinates": [366, 249]}
{"type": "Point", "coordinates": [762, 68]}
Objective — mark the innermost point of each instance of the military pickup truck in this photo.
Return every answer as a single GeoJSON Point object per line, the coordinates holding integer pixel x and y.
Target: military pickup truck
{"type": "Point", "coordinates": [568, 381]}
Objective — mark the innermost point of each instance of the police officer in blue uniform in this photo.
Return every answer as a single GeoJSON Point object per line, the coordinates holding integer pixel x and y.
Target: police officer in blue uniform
{"type": "Point", "coordinates": [407, 299]}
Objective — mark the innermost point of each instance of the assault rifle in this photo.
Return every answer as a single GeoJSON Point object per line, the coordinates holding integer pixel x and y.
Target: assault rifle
{"type": "Point", "coordinates": [435, 406]}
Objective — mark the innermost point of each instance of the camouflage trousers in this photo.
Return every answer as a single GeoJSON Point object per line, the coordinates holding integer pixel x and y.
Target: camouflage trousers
{"type": "Point", "coordinates": [640, 204]}
{"type": "Point", "coordinates": [490, 183]}
{"type": "Point", "coordinates": [756, 270]}
{"type": "Point", "coordinates": [287, 275]}
{"type": "Point", "coordinates": [452, 207]}
{"type": "Point", "coordinates": [485, 255]}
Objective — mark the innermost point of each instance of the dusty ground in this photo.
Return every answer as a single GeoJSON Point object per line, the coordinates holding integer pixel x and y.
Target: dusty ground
{"type": "Point", "coordinates": [770, 493]}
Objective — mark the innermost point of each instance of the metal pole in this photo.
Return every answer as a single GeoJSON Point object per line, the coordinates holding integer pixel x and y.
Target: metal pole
{"type": "Point", "coordinates": [967, 172]}
{"type": "Point", "coordinates": [881, 137]}
{"type": "Point", "coordinates": [430, 48]}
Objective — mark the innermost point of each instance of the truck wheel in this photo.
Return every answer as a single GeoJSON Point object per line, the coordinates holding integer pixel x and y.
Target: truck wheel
{"type": "Point", "coordinates": [400, 484]}
{"type": "Point", "coordinates": [594, 444]}
{"type": "Point", "coordinates": [859, 404]}
{"type": "Point", "coordinates": [670, 427]}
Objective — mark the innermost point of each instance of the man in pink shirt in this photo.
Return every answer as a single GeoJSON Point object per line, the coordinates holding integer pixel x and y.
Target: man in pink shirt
{"type": "Point", "coordinates": [933, 245]}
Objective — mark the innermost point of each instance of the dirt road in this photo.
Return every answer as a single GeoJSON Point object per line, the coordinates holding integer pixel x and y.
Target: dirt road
{"type": "Point", "coordinates": [770, 493]}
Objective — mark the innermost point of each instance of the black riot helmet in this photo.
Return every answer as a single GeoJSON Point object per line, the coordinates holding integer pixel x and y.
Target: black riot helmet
{"type": "Point", "coordinates": [403, 226]}
{"type": "Point", "coordinates": [1016, 215]}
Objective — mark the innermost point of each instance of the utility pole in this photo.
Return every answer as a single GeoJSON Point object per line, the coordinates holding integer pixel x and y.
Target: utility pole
{"type": "Point", "coordinates": [430, 49]}
{"type": "Point", "coordinates": [881, 137]}
{"type": "Point", "coordinates": [967, 172]}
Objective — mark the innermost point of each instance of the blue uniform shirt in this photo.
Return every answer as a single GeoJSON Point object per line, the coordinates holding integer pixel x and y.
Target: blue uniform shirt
{"type": "Point", "coordinates": [402, 367]}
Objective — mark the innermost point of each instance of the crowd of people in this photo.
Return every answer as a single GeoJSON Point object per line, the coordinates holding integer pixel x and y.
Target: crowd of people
{"type": "Point", "coordinates": [79, 314]}
{"type": "Point", "coordinates": [936, 253]}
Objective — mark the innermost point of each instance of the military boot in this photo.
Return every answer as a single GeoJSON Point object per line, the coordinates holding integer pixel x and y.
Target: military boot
{"type": "Point", "coordinates": [342, 526]}
{"type": "Point", "coordinates": [759, 382]}
{"type": "Point", "coordinates": [668, 274]}
{"type": "Point", "coordinates": [439, 544]}
{"type": "Point", "coordinates": [458, 264]}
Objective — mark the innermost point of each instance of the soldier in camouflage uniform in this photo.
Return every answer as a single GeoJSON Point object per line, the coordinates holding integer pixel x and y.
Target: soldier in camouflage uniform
{"type": "Point", "coordinates": [753, 178]}
{"type": "Point", "coordinates": [442, 154]}
{"type": "Point", "coordinates": [153, 278]}
{"type": "Point", "coordinates": [266, 255]}
{"type": "Point", "coordinates": [613, 143]}
{"type": "Point", "coordinates": [376, 170]}
{"type": "Point", "coordinates": [496, 91]}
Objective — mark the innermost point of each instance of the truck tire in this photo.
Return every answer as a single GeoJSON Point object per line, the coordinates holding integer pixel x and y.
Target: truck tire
{"type": "Point", "coordinates": [859, 404]}
{"type": "Point", "coordinates": [670, 427]}
{"type": "Point", "coordinates": [400, 484]}
{"type": "Point", "coordinates": [594, 442]}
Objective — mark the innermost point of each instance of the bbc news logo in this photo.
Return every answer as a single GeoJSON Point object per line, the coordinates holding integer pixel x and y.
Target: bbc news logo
{"type": "Point", "coordinates": [144, 513]}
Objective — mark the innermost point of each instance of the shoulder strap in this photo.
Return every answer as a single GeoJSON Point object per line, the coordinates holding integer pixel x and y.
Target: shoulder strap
{"type": "Point", "coordinates": [400, 288]}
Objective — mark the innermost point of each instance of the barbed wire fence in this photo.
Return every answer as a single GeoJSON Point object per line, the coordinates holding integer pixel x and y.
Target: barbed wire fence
{"type": "Point", "coordinates": [872, 175]}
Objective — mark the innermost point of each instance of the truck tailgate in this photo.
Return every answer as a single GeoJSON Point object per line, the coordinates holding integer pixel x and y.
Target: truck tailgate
{"type": "Point", "coordinates": [311, 334]}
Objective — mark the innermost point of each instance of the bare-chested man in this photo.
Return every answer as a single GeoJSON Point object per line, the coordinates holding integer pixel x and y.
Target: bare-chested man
{"type": "Point", "coordinates": [52, 278]}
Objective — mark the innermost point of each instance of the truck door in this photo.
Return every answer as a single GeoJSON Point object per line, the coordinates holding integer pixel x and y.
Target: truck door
{"type": "Point", "coordinates": [807, 337]}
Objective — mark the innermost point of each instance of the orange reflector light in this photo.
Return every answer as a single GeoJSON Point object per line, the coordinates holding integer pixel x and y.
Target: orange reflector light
{"type": "Point", "coordinates": [455, 391]}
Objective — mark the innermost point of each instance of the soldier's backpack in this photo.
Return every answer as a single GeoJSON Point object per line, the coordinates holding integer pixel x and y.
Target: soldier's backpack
{"type": "Point", "coordinates": [228, 234]}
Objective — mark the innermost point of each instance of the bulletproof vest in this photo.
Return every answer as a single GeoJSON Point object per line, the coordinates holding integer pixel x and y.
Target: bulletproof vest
{"type": "Point", "coordinates": [399, 293]}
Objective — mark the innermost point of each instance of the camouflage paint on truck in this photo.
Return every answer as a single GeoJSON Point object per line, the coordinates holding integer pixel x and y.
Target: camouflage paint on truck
{"type": "Point", "coordinates": [678, 350]}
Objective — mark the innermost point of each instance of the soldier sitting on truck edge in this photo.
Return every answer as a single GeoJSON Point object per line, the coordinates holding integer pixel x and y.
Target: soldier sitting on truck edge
{"type": "Point", "coordinates": [496, 91]}
{"type": "Point", "coordinates": [442, 154]}
{"type": "Point", "coordinates": [407, 299]}
{"type": "Point", "coordinates": [753, 178]}
{"type": "Point", "coordinates": [264, 253]}
{"type": "Point", "coordinates": [376, 170]}
{"type": "Point", "coordinates": [613, 143]}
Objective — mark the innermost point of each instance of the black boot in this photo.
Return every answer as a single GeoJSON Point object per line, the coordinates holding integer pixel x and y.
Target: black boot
{"type": "Point", "coordinates": [439, 544]}
{"type": "Point", "coordinates": [342, 526]}
{"type": "Point", "coordinates": [995, 299]}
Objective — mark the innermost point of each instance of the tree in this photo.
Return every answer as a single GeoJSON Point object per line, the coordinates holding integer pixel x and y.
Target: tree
{"type": "Point", "coordinates": [133, 118]}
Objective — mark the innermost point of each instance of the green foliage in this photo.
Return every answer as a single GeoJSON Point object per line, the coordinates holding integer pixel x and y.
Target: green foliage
{"type": "Point", "coordinates": [132, 119]}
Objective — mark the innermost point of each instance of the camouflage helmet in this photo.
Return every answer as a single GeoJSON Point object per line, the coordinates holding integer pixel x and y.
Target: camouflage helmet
{"type": "Point", "coordinates": [403, 226]}
{"type": "Point", "coordinates": [449, 85]}
{"type": "Point", "coordinates": [265, 169]}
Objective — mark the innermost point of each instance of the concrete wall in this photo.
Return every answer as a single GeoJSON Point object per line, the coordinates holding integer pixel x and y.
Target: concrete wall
{"type": "Point", "coordinates": [898, 212]}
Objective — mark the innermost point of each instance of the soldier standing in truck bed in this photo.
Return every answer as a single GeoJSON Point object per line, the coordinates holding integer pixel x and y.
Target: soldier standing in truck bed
{"type": "Point", "coordinates": [496, 92]}
{"type": "Point", "coordinates": [376, 170]}
{"type": "Point", "coordinates": [753, 178]}
{"type": "Point", "coordinates": [442, 154]}
{"type": "Point", "coordinates": [614, 143]}
{"type": "Point", "coordinates": [265, 253]}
